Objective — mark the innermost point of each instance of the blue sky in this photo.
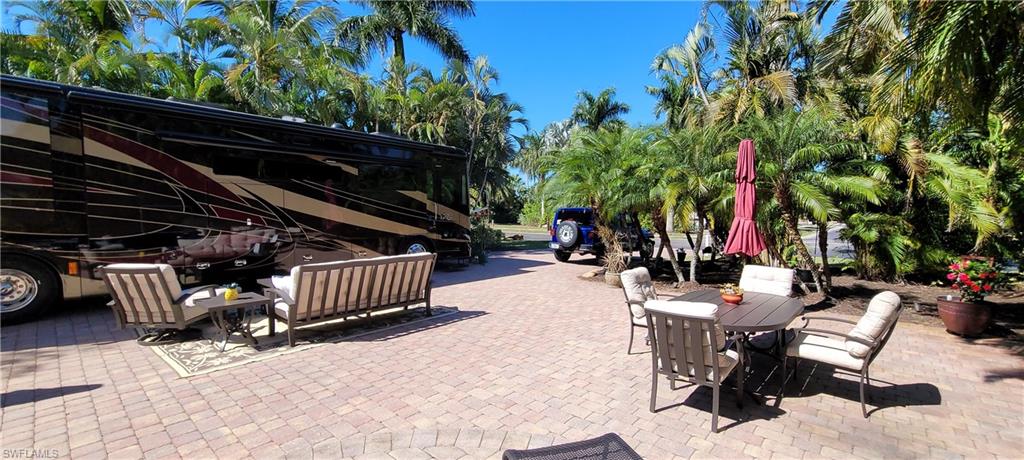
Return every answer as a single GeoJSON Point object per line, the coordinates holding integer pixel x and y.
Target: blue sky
{"type": "Point", "coordinates": [546, 52]}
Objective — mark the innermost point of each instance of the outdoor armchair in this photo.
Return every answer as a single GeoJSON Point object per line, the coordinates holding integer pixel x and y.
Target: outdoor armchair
{"type": "Point", "coordinates": [768, 280]}
{"type": "Point", "coordinates": [854, 350]}
{"type": "Point", "coordinates": [149, 296]}
{"type": "Point", "coordinates": [638, 288]}
{"type": "Point", "coordinates": [687, 343]}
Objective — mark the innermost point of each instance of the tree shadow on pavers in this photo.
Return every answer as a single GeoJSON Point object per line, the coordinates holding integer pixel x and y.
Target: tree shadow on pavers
{"type": "Point", "coordinates": [421, 326]}
{"type": "Point", "coordinates": [813, 378]}
{"type": "Point", "coordinates": [16, 397]}
{"type": "Point", "coordinates": [496, 267]}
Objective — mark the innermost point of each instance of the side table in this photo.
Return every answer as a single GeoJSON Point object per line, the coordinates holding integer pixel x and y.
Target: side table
{"type": "Point", "coordinates": [234, 316]}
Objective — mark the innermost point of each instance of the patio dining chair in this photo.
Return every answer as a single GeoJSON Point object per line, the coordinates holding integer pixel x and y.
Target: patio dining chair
{"type": "Point", "coordinates": [638, 288]}
{"type": "Point", "coordinates": [149, 296]}
{"type": "Point", "coordinates": [854, 350]}
{"type": "Point", "coordinates": [767, 280]}
{"type": "Point", "coordinates": [688, 343]}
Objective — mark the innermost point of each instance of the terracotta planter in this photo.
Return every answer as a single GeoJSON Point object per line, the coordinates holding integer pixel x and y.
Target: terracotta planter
{"type": "Point", "coordinates": [732, 298]}
{"type": "Point", "coordinates": [612, 279]}
{"type": "Point", "coordinates": [964, 318]}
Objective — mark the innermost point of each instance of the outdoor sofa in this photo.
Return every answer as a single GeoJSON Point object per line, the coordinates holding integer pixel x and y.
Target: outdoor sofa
{"type": "Point", "coordinates": [315, 293]}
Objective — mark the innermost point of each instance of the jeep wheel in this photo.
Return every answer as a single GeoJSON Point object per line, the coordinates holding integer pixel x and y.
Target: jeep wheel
{"type": "Point", "coordinates": [562, 256]}
{"type": "Point", "coordinates": [27, 288]}
{"type": "Point", "coordinates": [567, 233]}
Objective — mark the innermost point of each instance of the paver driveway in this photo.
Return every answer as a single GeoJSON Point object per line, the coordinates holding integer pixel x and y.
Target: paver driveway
{"type": "Point", "coordinates": [536, 356]}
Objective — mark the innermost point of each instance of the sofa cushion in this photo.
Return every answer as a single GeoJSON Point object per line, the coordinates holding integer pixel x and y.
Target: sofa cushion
{"type": "Point", "coordinates": [880, 314]}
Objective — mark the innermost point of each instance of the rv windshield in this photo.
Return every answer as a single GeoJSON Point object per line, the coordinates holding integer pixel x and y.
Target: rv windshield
{"type": "Point", "coordinates": [451, 184]}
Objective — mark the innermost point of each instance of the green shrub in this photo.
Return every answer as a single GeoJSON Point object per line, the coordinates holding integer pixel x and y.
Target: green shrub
{"type": "Point", "coordinates": [484, 238]}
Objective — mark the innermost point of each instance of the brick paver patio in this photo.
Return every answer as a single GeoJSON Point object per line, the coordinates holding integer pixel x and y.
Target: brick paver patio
{"type": "Point", "coordinates": [536, 356]}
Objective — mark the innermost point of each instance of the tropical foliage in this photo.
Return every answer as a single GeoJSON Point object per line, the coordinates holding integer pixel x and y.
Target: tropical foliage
{"type": "Point", "coordinates": [902, 122]}
{"type": "Point", "coordinates": [298, 58]}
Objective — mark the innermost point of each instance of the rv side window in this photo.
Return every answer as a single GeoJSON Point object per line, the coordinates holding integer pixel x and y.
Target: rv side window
{"type": "Point", "coordinates": [381, 177]}
{"type": "Point", "coordinates": [270, 166]}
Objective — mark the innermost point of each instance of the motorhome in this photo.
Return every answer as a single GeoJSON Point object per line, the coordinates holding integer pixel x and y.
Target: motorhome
{"type": "Point", "coordinates": [91, 177]}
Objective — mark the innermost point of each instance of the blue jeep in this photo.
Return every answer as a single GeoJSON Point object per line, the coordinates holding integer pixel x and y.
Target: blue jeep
{"type": "Point", "coordinates": [573, 230]}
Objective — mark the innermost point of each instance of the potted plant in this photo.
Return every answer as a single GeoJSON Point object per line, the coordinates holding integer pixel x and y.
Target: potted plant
{"type": "Point", "coordinates": [614, 257]}
{"type": "Point", "coordinates": [968, 314]}
{"type": "Point", "coordinates": [731, 294]}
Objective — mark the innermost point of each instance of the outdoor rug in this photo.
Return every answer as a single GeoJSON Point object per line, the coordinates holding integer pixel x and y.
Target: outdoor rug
{"type": "Point", "coordinates": [203, 355]}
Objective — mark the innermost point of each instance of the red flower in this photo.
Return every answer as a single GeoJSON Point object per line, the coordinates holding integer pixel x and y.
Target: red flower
{"type": "Point", "coordinates": [976, 288]}
{"type": "Point", "coordinates": [987, 287]}
{"type": "Point", "coordinates": [951, 276]}
{"type": "Point", "coordinates": [954, 266]}
{"type": "Point", "coordinates": [964, 277]}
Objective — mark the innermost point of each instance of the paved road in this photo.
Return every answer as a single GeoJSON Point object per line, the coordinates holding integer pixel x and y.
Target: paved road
{"type": "Point", "coordinates": [837, 247]}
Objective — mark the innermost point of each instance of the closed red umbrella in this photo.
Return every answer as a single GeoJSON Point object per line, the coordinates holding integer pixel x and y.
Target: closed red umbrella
{"type": "Point", "coordinates": [743, 235]}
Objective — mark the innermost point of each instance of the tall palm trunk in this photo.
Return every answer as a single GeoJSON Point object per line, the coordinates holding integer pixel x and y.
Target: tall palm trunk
{"type": "Point", "coordinates": [823, 246]}
{"type": "Point", "coordinates": [399, 42]}
{"type": "Point", "coordinates": [661, 226]}
{"type": "Point", "coordinates": [789, 222]}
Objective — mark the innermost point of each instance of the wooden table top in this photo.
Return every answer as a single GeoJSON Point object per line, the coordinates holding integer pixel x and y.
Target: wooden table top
{"type": "Point", "coordinates": [758, 312]}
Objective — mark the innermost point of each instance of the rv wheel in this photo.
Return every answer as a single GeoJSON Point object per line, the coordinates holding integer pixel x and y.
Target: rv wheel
{"type": "Point", "coordinates": [27, 289]}
{"type": "Point", "coordinates": [415, 247]}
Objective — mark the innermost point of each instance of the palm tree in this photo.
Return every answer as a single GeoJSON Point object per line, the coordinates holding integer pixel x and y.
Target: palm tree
{"type": "Point", "coordinates": [478, 78]}
{"type": "Point", "coordinates": [758, 75]}
{"type": "Point", "coordinates": [390, 21]}
{"type": "Point", "coordinates": [584, 168]}
{"type": "Point", "coordinates": [499, 144]}
{"type": "Point", "coordinates": [696, 176]}
{"type": "Point", "coordinates": [270, 39]}
{"type": "Point", "coordinates": [599, 112]}
{"type": "Point", "coordinates": [681, 71]}
{"type": "Point", "coordinates": [590, 171]}
{"type": "Point", "coordinates": [538, 154]}
{"type": "Point", "coordinates": [79, 42]}
{"type": "Point", "coordinates": [793, 151]}
{"type": "Point", "coordinates": [968, 67]}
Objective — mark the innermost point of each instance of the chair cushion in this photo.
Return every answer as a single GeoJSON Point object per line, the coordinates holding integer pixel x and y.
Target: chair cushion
{"type": "Point", "coordinates": [880, 314]}
{"type": "Point", "coordinates": [768, 280]}
{"type": "Point", "coordinates": [698, 310]}
{"type": "Point", "coordinates": [639, 288]}
{"type": "Point", "coordinates": [823, 349]}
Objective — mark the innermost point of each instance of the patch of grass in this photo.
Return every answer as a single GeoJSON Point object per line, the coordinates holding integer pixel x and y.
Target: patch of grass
{"type": "Point", "coordinates": [513, 229]}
